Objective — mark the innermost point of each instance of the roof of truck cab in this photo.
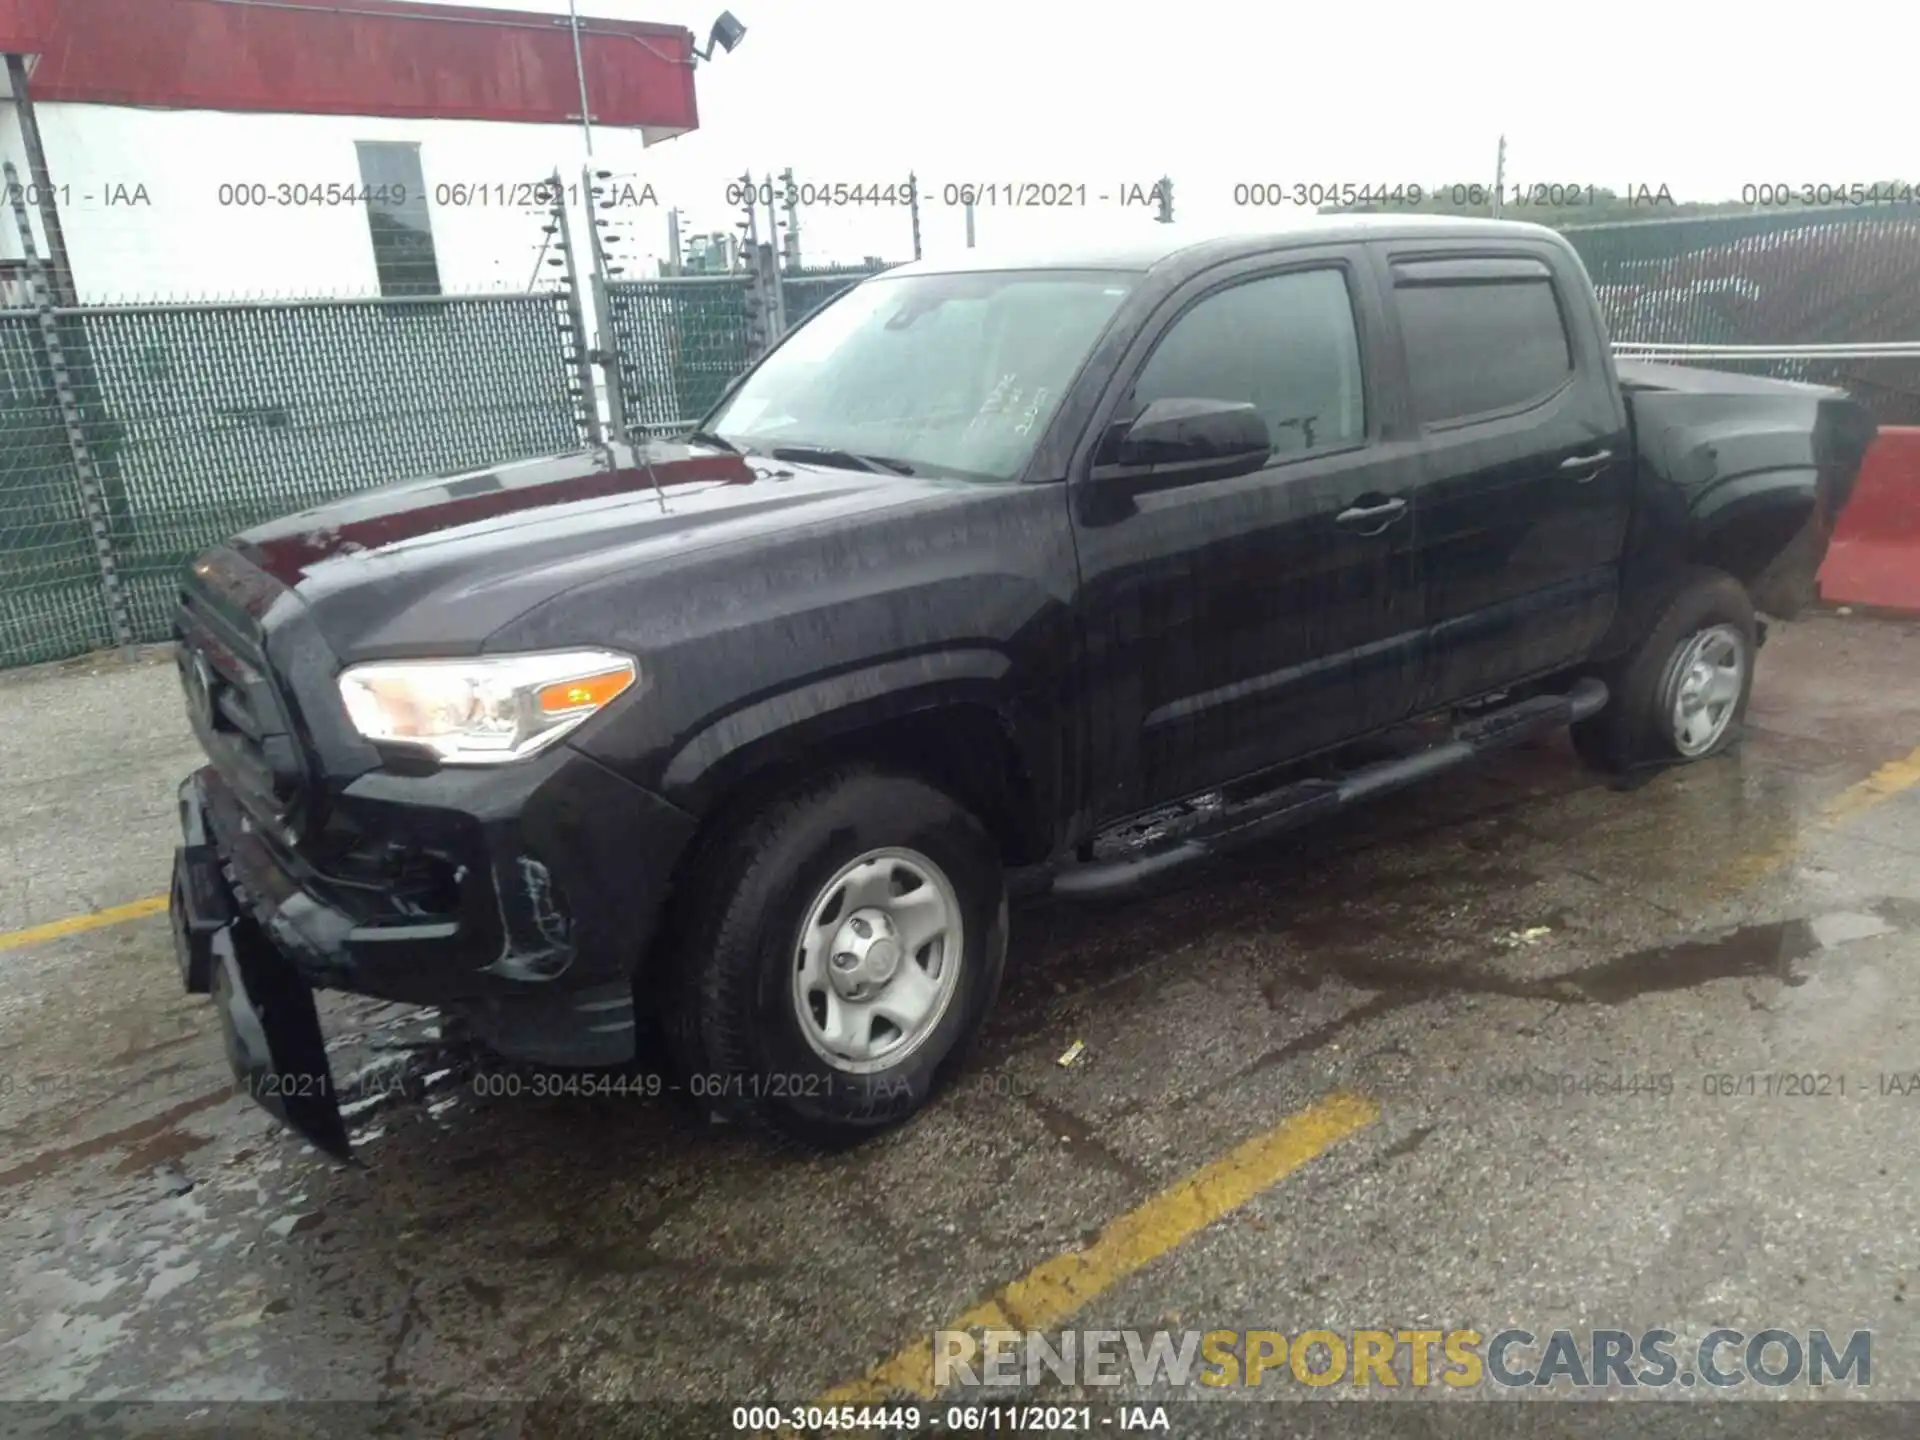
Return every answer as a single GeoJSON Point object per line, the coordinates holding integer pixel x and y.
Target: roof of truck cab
{"type": "Point", "coordinates": [1163, 247]}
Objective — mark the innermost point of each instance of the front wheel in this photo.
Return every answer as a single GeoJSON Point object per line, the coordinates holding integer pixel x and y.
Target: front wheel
{"type": "Point", "coordinates": [835, 955]}
{"type": "Point", "coordinates": [1681, 693]}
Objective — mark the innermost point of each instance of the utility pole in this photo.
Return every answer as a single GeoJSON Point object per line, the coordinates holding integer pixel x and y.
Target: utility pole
{"type": "Point", "coordinates": [969, 208]}
{"type": "Point", "coordinates": [1165, 214]}
{"type": "Point", "coordinates": [913, 209]}
{"type": "Point", "coordinates": [1499, 177]}
{"type": "Point", "coordinates": [580, 73]}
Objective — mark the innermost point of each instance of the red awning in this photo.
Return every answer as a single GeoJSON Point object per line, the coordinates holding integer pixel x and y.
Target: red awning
{"type": "Point", "coordinates": [357, 57]}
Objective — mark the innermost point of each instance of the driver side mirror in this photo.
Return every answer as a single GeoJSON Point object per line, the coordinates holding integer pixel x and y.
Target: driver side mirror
{"type": "Point", "coordinates": [1184, 442]}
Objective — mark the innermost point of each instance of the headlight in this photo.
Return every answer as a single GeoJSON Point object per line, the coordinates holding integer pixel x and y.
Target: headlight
{"type": "Point", "coordinates": [485, 710]}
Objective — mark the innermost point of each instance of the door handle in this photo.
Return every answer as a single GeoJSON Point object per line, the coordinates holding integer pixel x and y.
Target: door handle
{"type": "Point", "coordinates": [1377, 517]}
{"type": "Point", "coordinates": [1589, 463]}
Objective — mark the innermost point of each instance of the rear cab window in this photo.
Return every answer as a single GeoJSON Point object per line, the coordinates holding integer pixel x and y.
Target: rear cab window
{"type": "Point", "coordinates": [1484, 336]}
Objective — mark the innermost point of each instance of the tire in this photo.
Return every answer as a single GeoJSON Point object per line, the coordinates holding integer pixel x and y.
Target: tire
{"type": "Point", "coordinates": [747, 960]}
{"type": "Point", "coordinates": [1709, 612]}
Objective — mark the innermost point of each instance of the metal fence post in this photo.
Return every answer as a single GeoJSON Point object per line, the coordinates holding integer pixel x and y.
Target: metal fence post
{"type": "Point", "coordinates": [608, 352]}
{"type": "Point", "coordinates": [765, 319]}
{"type": "Point", "coordinates": [790, 242]}
{"type": "Point", "coordinates": [92, 494]}
{"type": "Point", "coordinates": [576, 320]}
{"type": "Point", "coordinates": [913, 210]}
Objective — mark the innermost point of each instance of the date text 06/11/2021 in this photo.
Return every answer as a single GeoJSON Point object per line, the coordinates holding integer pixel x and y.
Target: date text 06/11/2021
{"type": "Point", "coordinates": [984, 194]}
{"type": "Point", "coordinates": [1771, 1084]}
{"type": "Point", "coordinates": [1010, 1419]}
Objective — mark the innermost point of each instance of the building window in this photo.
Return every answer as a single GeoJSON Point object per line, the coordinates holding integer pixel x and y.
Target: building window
{"type": "Point", "coordinates": [397, 218]}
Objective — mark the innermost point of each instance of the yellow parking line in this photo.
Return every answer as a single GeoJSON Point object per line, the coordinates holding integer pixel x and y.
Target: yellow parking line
{"type": "Point", "coordinates": [75, 924]}
{"type": "Point", "coordinates": [1891, 779]}
{"type": "Point", "coordinates": [1056, 1288]}
{"type": "Point", "coordinates": [1885, 783]}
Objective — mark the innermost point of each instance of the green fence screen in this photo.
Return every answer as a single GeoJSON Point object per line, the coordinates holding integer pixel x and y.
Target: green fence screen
{"type": "Point", "coordinates": [805, 291]}
{"type": "Point", "coordinates": [51, 601]}
{"type": "Point", "coordinates": [1777, 279]}
{"type": "Point", "coordinates": [207, 418]}
{"type": "Point", "coordinates": [682, 339]}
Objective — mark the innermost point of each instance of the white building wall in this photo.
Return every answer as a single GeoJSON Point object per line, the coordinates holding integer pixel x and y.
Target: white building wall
{"type": "Point", "coordinates": [191, 237]}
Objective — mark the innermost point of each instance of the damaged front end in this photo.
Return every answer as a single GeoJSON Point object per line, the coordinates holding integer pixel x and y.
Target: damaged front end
{"type": "Point", "coordinates": [268, 1020]}
{"type": "Point", "coordinates": [518, 897]}
{"type": "Point", "coordinates": [535, 977]}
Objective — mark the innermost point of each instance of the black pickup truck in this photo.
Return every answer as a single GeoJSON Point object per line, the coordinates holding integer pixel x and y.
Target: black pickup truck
{"type": "Point", "coordinates": [995, 576]}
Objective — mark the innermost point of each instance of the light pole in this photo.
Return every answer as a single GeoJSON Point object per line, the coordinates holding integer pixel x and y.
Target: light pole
{"type": "Point", "coordinates": [727, 33]}
{"type": "Point", "coordinates": [580, 72]}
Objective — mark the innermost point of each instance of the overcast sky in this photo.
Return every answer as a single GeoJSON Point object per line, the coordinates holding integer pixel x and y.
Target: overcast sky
{"type": "Point", "coordinates": [1697, 95]}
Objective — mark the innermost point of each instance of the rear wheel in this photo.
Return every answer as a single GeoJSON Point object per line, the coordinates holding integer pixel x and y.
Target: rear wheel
{"type": "Point", "coordinates": [1680, 695]}
{"type": "Point", "coordinates": [838, 950]}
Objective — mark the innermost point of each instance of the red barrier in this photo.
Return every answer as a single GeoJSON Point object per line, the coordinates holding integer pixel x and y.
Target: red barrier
{"type": "Point", "coordinates": [1874, 557]}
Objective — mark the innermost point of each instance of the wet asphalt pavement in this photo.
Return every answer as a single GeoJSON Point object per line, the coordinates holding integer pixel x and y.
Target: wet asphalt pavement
{"type": "Point", "coordinates": [1441, 955]}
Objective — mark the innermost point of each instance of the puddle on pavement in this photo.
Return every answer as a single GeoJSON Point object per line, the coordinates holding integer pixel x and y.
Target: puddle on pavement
{"type": "Point", "coordinates": [1767, 951]}
{"type": "Point", "coordinates": [153, 1132]}
{"type": "Point", "coordinates": [1760, 951]}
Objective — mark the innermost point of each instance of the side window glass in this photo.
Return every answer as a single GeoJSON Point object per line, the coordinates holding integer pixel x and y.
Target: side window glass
{"type": "Point", "coordinates": [1483, 347]}
{"type": "Point", "coordinates": [1287, 344]}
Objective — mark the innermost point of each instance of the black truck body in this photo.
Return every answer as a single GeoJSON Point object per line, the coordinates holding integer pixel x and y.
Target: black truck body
{"type": "Point", "coordinates": [1146, 632]}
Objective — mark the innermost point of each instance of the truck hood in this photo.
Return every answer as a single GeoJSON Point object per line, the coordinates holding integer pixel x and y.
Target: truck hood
{"type": "Point", "coordinates": [436, 566]}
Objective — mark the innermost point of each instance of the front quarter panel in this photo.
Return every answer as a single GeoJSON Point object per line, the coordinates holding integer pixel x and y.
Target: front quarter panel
{"type": "Point", "coordinates": [750, 652]}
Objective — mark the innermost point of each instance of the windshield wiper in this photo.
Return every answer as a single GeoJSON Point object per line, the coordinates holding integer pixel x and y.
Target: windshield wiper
{"type": "Point", "coordinates": [707, 437]}
{"type": "Point", "coordinates": [844, 459]}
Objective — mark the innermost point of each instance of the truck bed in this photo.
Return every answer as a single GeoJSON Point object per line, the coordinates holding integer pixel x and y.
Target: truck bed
{"type": "Point", "coordinates": [1772, 460]}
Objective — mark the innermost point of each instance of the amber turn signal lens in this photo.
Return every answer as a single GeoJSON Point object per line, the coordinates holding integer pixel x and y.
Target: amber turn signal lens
{"type": "Point", "coordinates": [589, 692]}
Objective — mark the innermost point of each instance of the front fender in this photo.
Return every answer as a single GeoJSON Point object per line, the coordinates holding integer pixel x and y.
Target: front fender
{"type": "Point", "coordinates": [814, 715]}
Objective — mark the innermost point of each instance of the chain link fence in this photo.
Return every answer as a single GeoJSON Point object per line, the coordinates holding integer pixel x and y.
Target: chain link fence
{"type": "Point", "coordinates": [52, 603]}
{"type": "Point", "coordinates": [807, 290]}
{"type": "Point", "coordinates": [1784, 279]}
{"type": "Point", "coordinates": [203, 419]}
{"type": "Point", "coordinates": [221, 416]}
{"type": "Point", "coordinates": [682, 340]}
{"type": "Point", "coordinates": [197, 420]}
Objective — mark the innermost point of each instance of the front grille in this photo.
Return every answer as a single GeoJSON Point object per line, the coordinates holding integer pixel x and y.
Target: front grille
{"type": "Point", "coordinates": [235, 706]}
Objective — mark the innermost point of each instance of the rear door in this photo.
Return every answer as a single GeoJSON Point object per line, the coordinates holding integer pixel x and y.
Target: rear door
{"type": "Point", "coordinates": [1234, 624]}
{"type": "Point", "coordinates": [1527, 462]}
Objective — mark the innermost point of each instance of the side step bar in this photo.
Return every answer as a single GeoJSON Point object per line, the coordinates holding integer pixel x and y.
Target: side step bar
{"type": "Point", "coordinates": [1309, 800]}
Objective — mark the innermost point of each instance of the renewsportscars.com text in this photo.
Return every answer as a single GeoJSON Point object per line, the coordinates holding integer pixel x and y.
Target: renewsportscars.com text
{"type": "Point", "coordinates": [1412, 1358]}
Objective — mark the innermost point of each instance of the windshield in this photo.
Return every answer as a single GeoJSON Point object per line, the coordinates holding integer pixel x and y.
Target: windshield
{"type": "Point", "coordinates": [948, 374]}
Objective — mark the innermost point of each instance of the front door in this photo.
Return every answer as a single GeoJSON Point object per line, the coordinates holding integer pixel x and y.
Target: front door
{"type": "Point", "coordinates": [1235, 624]}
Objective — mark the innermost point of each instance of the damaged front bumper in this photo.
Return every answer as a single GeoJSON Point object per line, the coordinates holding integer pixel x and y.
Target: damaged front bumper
{"type": "Point", "coordinates": [267, 1016]}
{"type": "Point", "coordinates": [559, 877]}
